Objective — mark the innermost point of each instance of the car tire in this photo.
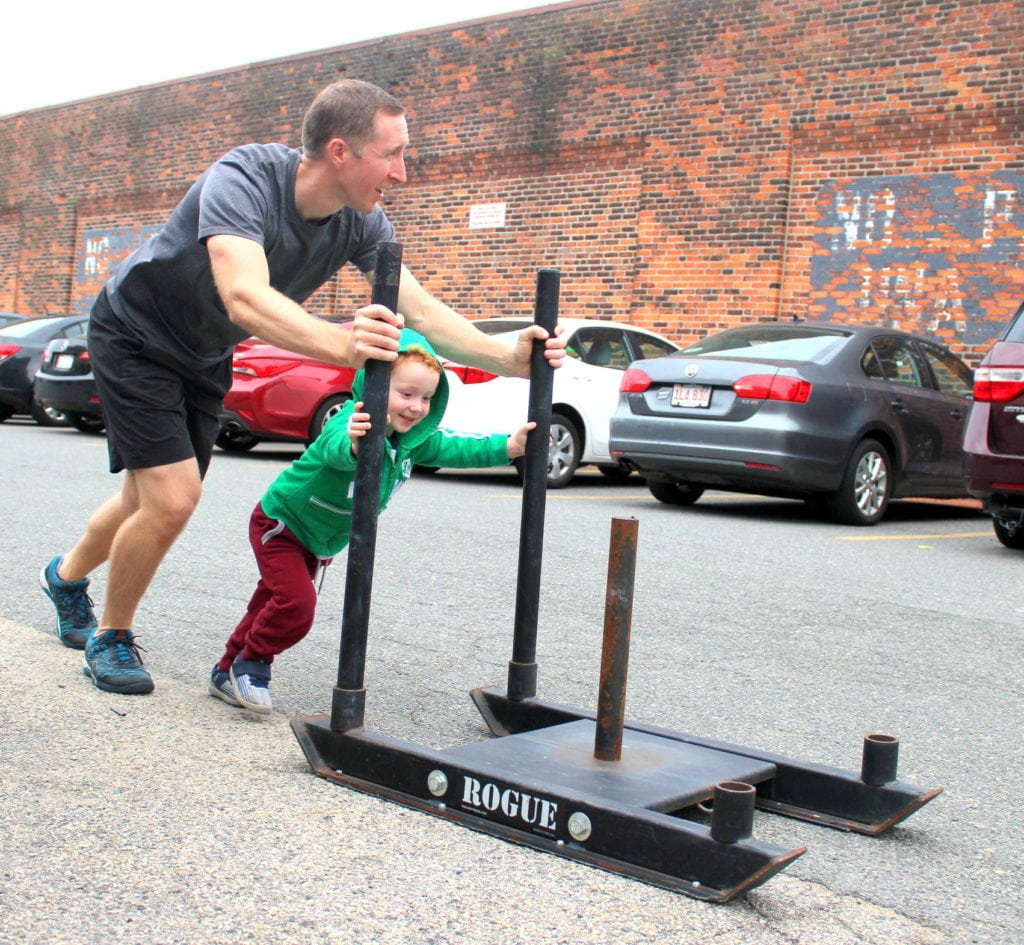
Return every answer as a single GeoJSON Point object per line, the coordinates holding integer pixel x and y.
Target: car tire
{"type": "Point", "coordinates": [47, 416]}
{"type": "Point", "coordinates": [86, 422]}
{"type": "Point", "coordinates": [674, 493]}
{"type": "Point", "coordinates": [6, 412]}
{"type": "Point", "coordinates": [327, 409]}
{"type": "Point", "coordinates": [1008, 539]}
{"type": "Point", "coordinates": [863, 496]}
{"type": "Point", "coordinates": [564, 452]}
{"type": "Point", "coordinates": [236, 441]}
{"type": "Point", "coordinates": [615, 473]}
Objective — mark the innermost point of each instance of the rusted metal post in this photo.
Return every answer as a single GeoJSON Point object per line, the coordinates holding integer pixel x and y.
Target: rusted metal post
{"type": "Point", "coordinates": [732, 813]}
{"type": "Point", "coordinates": [618, 617]}
{"type": "Point", "coordinates": [349, 698]}
{"type": "Point", "coordinates": [522, 668]}
{"type": "Point", "coordinates": [880, 759]}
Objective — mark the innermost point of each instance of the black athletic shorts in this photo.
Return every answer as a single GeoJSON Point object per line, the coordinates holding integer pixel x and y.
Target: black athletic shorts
{"type": "Point", "coordinates": [155, 414]}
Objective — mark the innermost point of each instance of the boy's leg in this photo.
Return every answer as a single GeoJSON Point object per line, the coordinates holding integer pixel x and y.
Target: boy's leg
{"type": "Point", "coordinates": [286, 607]}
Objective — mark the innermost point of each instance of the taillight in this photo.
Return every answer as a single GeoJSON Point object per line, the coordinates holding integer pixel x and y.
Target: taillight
{"type": "Point", "coordinates": [262, 367]}
{"type": "Point", "coordinates": [634, 381]}
{"type": "Point", "coordinates": [470, 375]}
{"type": "Point", "coordinates": [7, 351]}
{"type": "Point", "coordinates": [998, 385]}
{"type": "Point", "coordinates": [793, 390]}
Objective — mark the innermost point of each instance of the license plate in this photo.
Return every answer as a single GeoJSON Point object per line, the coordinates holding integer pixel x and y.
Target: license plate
{"type": "Point", "coordinates": [691, 395]}
{"type": "Point", "coordinates": [64, 362]}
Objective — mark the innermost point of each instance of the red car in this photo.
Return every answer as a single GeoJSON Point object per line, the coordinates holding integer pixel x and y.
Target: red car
{"type": "Point", "coordinates": [279, 396]}
{"type": "Point", "coordinates": [994, 435]}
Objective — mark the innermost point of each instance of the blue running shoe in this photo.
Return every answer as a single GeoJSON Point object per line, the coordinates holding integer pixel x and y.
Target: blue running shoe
{"type": "Point", "coordinates": [250, 680]}
{"type": "Point", "coordinates": [113, 663]}
{"type": "Point", "coordinates": [75, 617]}
{"type": "Point", "coordinates": [220, 686]}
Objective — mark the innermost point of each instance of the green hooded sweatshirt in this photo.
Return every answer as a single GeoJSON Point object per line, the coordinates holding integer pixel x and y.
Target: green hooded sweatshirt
{"type": "Point", "coordinates": [313, 496]}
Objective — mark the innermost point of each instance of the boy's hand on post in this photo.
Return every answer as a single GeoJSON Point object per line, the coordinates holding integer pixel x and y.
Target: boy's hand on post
{"type": "Point", "coordinates": [517, 441]}
{"type": "Point", "coordinates": [358, 424]}
{"type": "Point", "coordinates": [554, 349]}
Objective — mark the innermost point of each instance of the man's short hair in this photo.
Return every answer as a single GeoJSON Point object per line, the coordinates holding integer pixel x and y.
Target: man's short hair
{"type": "Point", "coordinates": [346, 109]}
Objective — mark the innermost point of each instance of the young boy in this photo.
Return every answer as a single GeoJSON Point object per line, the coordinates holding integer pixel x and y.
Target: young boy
{"type": "Point", "coordinates": [304, 518]}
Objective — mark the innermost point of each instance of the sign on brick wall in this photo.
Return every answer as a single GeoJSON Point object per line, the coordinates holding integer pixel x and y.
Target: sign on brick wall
{"type": "Point", "coordinates": [931, 252]}
{"type": "Point", "coordinates": [99, 251]}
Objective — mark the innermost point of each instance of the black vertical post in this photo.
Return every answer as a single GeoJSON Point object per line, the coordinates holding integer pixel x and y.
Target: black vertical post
{"type": "Point", "coordinates": [349, 700]}
{"type": "Point", "coordinates": [522, 668]}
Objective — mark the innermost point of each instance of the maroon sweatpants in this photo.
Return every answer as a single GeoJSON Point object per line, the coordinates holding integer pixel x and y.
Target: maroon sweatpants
{"type": "Point", "coordinates": [283, 605]}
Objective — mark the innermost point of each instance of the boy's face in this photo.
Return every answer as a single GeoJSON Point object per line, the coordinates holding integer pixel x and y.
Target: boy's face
{"type": "Point", "coordinates": [412, 386]}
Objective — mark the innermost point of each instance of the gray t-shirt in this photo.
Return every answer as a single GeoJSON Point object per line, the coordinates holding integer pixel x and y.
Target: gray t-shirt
{"type": "Point", "coordinates": [164, 294]}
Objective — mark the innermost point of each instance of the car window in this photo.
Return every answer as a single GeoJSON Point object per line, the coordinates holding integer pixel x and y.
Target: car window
{"type": "Point", "coordinates": [75, 330]}
{"type": "Point", "coordinates": [951, 375]}
{"type": "Point", "coordinates": [602, 347]}
{"type": "Point", "coordinates": [644, 346]}
{"type": "Point", "coordinates": [898, 361]}
{"type": "Point", "coordinates": [497, 326]}
{"type": "Point", "coordinates": [810, 348]}
{"type": "Point", "coordinates": [26, 328]}
{"type": "Point", "coordinates": [1015, 330]}
{"type": "Point", "coordinates": [793, 342]}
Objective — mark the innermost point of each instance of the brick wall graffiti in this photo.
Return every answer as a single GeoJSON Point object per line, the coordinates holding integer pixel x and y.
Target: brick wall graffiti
{"type": "Point", "coordinates": [931, 253]}
{"type": "Point", "coordinates": [99, 251]}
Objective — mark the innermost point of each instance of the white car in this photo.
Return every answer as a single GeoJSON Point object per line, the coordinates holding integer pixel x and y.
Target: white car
{"type": "Point", "coordinates": [584, 396]}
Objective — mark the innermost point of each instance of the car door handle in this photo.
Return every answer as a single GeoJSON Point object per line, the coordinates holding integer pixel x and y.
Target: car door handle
{"type": "Point", "coordinates": [956, 413]}
{"type": "Point", "coordinates": [898, 406]}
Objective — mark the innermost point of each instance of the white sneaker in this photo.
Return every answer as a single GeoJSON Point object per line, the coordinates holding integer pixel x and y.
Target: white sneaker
{"type": "Point", "coordinates": [251, 681]}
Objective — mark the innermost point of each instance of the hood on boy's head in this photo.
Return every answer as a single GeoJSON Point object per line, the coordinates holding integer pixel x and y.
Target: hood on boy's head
{"type": "Point", "coordinates": [406, 340]}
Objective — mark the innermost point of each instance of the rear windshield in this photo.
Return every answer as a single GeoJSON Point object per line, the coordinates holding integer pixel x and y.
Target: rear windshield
{"type": "Point", "coordinates": [758, 343]}
{"type": "Point", "coordinates": [1016, 330]}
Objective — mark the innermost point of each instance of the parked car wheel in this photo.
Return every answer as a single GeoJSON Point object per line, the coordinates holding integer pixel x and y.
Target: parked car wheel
{"type": "Point", "coordinates": [615, 473]}
{"type": "Point", "coordinates": [864, 494]}
{"type": "Point", "coordinates": [674, 493]}
{"type": "Point", "coordinates": [235, 440]}
{"type": "Point", "coordinates": [564, 452]}
{"type": "Point", "coordinates": [1008, 539]}
{"type": "Point", "coordinates": [327, 409]}
{"type": "Point", "coordinates": [47, 416]}
{"type": "Point", "coordinates": [86, 423]}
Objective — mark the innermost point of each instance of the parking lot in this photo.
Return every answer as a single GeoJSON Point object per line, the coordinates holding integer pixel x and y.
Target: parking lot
{"type": "Point", "coordinates": [754, 622]}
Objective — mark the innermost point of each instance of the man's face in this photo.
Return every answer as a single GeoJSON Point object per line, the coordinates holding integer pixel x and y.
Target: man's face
{"type": "Point", "coordinates": [367, 172]}
{"type": "Point", "coordinates": [412, 387]}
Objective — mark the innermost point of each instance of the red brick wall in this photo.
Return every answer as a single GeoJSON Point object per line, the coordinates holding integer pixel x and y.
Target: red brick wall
{"type": "Point", "coordinates": [687, 165]}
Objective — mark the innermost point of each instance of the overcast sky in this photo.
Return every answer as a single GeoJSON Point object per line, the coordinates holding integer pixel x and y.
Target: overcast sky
{"type": "Point", "coordinates": [56, 53]}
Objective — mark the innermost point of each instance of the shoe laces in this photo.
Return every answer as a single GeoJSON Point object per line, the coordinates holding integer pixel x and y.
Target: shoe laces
{"type": "Point", "coordinates": [126, 650]}
{"type": "Point", "coordinates": [76, 605]}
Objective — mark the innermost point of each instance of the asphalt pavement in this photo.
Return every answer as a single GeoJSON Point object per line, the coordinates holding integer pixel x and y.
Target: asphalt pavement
{"type": "Point", "coordinates": [174, 818]}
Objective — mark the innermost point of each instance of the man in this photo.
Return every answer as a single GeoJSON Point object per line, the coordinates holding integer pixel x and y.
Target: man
{"type": "Point", "coordinates": [257, 234]}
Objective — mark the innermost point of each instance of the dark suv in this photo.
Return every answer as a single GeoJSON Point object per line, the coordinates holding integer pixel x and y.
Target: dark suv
{"type": "Point", "coordinates": [994, 435]}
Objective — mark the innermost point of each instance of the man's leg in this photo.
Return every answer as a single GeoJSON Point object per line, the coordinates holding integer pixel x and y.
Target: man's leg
{"type": "Point", "coordinates": [65, 580]}
{"type": "Point", "coordinates": [93, 548]}
{"type": "Point", "coordinates": [167, 496]}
